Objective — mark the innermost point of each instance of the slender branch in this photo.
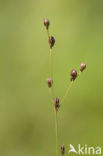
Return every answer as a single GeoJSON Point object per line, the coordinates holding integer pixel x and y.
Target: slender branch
{"type": "Point", "coordinates": [79, 73]}
{"type": "Point", "coordinates": [53, 99]}
{"type": "Point", "coordinates": [56, 128]}
{"type": "Point", "coordinates": [48, 34]}
{"type": "Point", "coordinates": [51, 96]}
{"type": "Point", "coordinates": [51, 73]}
{"type": "Point", "coordinates": [51, 63]}
{"type": "Point", "coordinates": [52, 93]}
{"type": "Point", "coordinates": [68, 89]}
{"type": "Point", "coordinates": [66, 93]}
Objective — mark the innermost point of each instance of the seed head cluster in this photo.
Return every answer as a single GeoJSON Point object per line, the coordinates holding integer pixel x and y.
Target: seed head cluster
{"type": "Point", "coordinates": [73, 75]}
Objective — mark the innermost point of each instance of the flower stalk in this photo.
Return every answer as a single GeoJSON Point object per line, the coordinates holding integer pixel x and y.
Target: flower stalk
{"type": "Point", "coordinates": [55, 101]}
{"type": "Point", "coordinates": [56, 130]}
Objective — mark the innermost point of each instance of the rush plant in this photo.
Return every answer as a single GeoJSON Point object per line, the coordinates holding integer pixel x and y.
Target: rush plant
{"type": "Point", "coordinates": [55, 100]}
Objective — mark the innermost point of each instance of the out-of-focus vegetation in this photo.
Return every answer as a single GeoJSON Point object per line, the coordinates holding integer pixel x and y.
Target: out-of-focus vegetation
{"type": "Point", "coordinates": [26, 115]}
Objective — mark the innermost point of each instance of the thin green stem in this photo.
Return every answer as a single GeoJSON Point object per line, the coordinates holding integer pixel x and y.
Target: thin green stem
{"type": "Point", "coordinates": [66, 93]}
{"type": "Point", "coordinates": [56, 128]}
{"type": "Point", "coordinates": [51, 96]}
{"type": "Point", "coordinates": [68, 89]}
{"type": "Point", "coordinates": [51, 73]}
{"type": "Point", "coordinates": [79, 73]}
{"type": "Point", "coordinates": [48, 34]}
{"type": "Point", "coordinates": [51, 64]}
{"type": "Point", "coordinates": [52, 93]}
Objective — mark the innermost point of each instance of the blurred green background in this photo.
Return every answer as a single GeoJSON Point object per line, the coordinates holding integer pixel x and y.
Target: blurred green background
{"type": "Point", "coordinates": [26, 116]}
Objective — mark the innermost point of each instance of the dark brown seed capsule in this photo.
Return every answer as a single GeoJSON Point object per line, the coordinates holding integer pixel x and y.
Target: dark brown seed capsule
{"type": "Point", "coordinates": [46, 23]}
{"type": "Point", "coordinates": [63, 149]}
{"type": "Point", "coordinates": [49, 82]}
{"type": "Point", "coordinates": [57, 105]}
{"type": "Point", "coordinates": [82, 66]}
{"type": "Point", "coordinates": [51, 41]}
{"type": "Point", "coordinates": [73, 74]}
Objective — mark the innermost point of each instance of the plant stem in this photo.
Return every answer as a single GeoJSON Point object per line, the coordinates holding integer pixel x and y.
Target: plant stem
{"type": "Point", "coordinates": [51, 74]}
{"type": "Point", "coordinates": [51, 63]}
{"type": "Point", "coordinates": [56, 128]}
{"type": "Point", "coordinates": [53, 96]}
{"type": "Point", "coordinates": [66, 93]}
{"type": "Point", "coordinates": [79, 73]}
{"type": "Point", "coordinates": [48, 34]}
{"type": "Point", "coordinates": [68, 89]}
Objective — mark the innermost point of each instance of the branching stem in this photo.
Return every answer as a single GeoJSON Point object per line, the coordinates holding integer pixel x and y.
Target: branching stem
{"type": "Point", "coordinates": [52, 93]}
{"type": "Point", "coordinates": [68, 89]}
{"type": "Point", "coordinates": [66, 93]}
